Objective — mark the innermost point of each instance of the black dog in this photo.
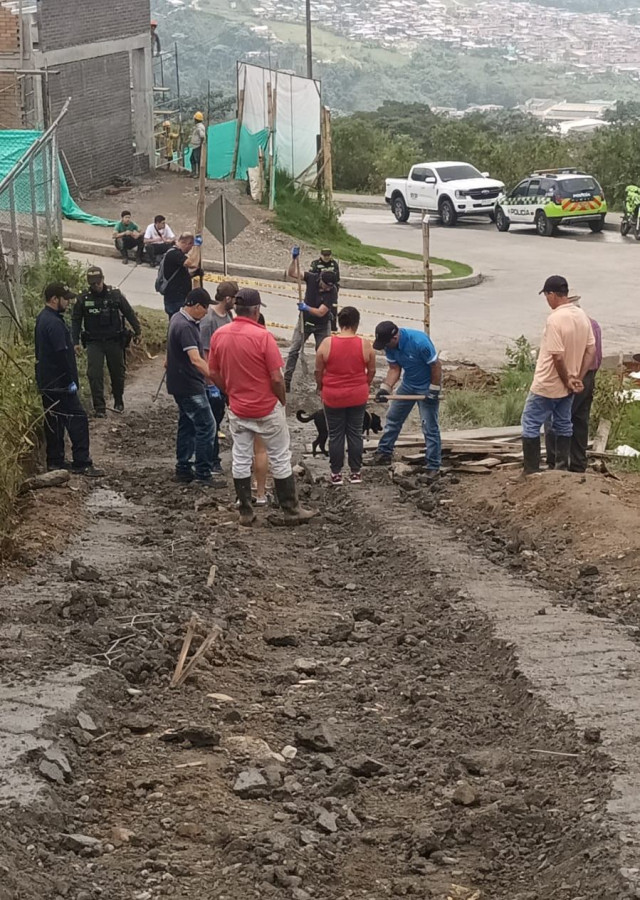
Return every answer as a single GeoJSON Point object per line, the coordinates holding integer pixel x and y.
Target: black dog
{"type": "Point", "coordinates": [372, 422]}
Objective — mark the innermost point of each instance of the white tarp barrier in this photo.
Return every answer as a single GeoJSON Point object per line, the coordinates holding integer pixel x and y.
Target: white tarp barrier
{"type": "Point", "coordinates": [298, 114]}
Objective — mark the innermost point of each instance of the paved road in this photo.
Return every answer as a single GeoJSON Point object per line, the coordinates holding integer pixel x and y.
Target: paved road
{"type": "Point", "coordinates": [478, 322]}
{"type": "Point", "coordinates": [474, 323]}
{"type": "Point", "coordinates": [137, 283]}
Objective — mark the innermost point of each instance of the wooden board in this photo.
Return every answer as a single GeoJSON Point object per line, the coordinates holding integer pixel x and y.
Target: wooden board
{"type": "Point", "coordinates": [602, 436]}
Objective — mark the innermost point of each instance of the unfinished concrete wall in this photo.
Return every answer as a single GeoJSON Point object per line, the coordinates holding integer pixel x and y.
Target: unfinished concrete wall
{"type": "Point", "coordinates": [10, 92]}
{"type": "Point", "coordinates": [102, 53]}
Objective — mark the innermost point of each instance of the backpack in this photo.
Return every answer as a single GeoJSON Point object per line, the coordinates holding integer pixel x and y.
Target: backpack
{"type": "Point", "coordinates": [162, 282]}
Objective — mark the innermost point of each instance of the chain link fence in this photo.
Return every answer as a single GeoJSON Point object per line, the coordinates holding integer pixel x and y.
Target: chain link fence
{"type": "Point", "coordinates": [30, 215]}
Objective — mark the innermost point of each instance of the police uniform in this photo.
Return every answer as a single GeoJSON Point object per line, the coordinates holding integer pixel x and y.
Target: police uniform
{"type": "Point", "coordinates": [57, 380]}
{"type": "Point", "coordinates": [320, 265]}
{"type": "Point", "coordinates": [98, 321]}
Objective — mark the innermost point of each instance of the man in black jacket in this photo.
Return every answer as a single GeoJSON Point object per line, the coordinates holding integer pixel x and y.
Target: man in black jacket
{"type": "Point", "coordinates": [98, 321]}
{"type": "Point", "coordinates": [57, 380]}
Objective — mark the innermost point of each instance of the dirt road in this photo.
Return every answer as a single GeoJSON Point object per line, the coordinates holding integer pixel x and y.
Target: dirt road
{"type": "Point", "coordinates": [358, 732]}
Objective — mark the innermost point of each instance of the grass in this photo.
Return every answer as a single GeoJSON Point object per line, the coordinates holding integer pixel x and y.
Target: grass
{"type": "Point", "coordinates": [500, 407]}
{"type": "Point", "coordinates": [305, 218]}
{"type": "Point", "coordinates": [20, 406]}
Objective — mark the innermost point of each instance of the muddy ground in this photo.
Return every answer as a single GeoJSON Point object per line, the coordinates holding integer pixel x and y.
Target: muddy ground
{"type": "Point", "coordinates": [355, 733]}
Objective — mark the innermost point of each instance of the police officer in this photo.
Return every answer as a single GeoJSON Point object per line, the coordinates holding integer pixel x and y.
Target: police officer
{"type": "Point", "coordinates": [57, 380]}
{"type": "Point", "coordinates": [98, 321]}
{"type": "Point", "coordinates": [326, 263]}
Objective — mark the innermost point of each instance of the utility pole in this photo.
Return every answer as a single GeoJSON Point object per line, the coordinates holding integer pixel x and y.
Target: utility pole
{"type": "Point", "coordinates": [309, 42]}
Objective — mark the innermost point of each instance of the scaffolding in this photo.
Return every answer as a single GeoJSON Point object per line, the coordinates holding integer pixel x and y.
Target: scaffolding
{"type": "Point", "coordinates": [168, 125]}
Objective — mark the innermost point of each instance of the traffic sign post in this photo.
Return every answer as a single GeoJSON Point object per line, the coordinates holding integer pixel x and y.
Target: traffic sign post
{"type": "Point", "coordinates": [225, 222]}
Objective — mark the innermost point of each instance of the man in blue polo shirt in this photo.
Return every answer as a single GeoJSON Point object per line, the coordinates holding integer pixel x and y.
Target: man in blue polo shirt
{"type": "Point", "coordinates": [412, 357]}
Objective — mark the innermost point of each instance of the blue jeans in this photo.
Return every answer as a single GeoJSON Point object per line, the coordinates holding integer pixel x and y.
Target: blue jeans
{"type": "Point", "coordinates": [396, 417]}
{"type": "Point", "coordinates": [538, 410]}
{"type": "Point", "coordinates": [196, 431]}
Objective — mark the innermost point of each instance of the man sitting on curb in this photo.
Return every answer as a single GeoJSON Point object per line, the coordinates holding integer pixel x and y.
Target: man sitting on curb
{"type": "Point", "coordinates": [127, 236]}
{"type": "Point", "coordinates": [410, 354]}
{"type": "Point", "coordinates": [567, 352]}
{"type": "Point", "coordinates": [245, 363]}
{"type": "Point", "coordinates": [158, 239]}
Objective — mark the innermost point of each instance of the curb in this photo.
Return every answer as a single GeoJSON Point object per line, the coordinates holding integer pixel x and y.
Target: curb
{"type": "Point", "coordinates": [77, 245]}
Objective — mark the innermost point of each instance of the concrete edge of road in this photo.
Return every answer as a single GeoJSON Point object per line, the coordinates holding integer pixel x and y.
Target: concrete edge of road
{"type": "Point", "coordinates": [77, 245]}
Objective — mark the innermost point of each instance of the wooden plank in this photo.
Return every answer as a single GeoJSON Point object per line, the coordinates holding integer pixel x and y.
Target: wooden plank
{"type": "Point", "coordinates": [602, 436]}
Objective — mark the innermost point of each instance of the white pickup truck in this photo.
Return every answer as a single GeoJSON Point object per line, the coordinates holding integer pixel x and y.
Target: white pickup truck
{"type": "Point", "coordinates": [449, 189]}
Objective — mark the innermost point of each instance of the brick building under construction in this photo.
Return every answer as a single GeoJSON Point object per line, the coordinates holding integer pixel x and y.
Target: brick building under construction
{"type": "Point", "coordinates": [96, 52]}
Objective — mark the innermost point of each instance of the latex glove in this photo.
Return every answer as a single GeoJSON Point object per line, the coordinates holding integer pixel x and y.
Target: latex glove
{"type": "Point", "coordinates": [434, 392]}
{"type": "Point", "coordinates": [303, 307]}
{"type": "Point", "coordinates": [295, 253]}
{"type": "Point", "coordinates": [73, 388]}
{"type": "Point", "coordinates": [383, 394]}
{"type": "Point", "coordinates": [213, 390]}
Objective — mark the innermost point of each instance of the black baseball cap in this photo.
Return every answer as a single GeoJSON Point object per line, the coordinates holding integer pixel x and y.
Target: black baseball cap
{"type": "Point", "coordinates": [329, 277]}
{"type": "Point", "coordinates": [555, 284]}
{"type": "Point", "coordinates": [95, 275]}
{"type": "Point", "coordinates": [198, 297]}
{"type": "Point", "coordinates": [249, 297]}
{"type": "Point", "coordinates": [384, 332]}
{"type": "Point", "coordinates": [57, 289]}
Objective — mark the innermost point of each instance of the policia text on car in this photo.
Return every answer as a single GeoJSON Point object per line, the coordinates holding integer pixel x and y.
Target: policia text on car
{"type": "Point", "coordinates": [98, 322]}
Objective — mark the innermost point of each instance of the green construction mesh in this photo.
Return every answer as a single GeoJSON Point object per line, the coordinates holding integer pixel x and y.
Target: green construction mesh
{"type": "Point", "coordinates": [221, 142]}
{"type": "Point", "coordinates": [29, 193]}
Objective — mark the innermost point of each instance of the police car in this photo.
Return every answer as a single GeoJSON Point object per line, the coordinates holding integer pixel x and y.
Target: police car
{"type": "Point", "coordinates": [550, 198]}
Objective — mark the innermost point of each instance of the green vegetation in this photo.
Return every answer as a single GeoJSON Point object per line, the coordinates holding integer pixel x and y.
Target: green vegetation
{"type": "Point", "coordinates": [20, 407]}
{"type": "Point", "coordinates": [369, 147]}
{"type": "Point", "coordinates": [302, 216]}
{"type": "Point", "coordinates": [358, 75]}
{"type": "Point", "coordinates": [500, 406]}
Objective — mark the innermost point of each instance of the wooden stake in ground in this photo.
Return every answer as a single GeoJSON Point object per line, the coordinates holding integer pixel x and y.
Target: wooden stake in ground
{"type": "Point", "coordinates": [303, 358]}
{"type": "Point", "coordinates": [186, 645]}
{"type": "Point", "coordinates": [183, 671]}
{"type": "Point", "coordinates": [428, 274]}
{"type": "Point", "coordinates": [200, 207]}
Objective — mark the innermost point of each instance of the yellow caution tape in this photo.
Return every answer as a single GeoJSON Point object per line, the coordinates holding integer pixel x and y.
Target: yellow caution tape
{"type": "Point", "coordinates": [292, 289]}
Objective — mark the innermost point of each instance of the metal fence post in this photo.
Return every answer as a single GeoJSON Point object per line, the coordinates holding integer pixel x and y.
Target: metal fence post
{"type": "Point", "coordinates": [34, 212]}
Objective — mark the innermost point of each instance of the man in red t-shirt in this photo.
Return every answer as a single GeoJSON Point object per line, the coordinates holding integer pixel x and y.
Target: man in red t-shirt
{"type": "Point", "coordinates": [245, 363]}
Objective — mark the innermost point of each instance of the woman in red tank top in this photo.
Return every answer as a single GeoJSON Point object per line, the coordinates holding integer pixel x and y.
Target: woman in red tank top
{"type": "Point", "coordinates": [345, 368]}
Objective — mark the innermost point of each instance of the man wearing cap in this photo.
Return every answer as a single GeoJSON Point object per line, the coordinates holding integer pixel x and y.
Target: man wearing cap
{"type": "Point", "coordinates": [411, 356]}
{"type": "Point", "coordinates": [187, 377]}
{"type": "Point", "coordinates": [326, 263]}
{"type": "Point", "coordinates": [245, 363]}
{"type": "Point", "coordinates": [98, 322]}
{"type": "Point", "coordinates": [57, 380]}
{"type": "Point", "coordinates": [320, 301]}
{"type": "Point", "coordinates": [567, 352]}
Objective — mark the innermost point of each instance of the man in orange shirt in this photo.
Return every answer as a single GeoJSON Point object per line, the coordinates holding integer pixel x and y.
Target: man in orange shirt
{"type": "Point", "coordinates": [566, 353]}
{"type": "Point", "coordinates": [245, 363]}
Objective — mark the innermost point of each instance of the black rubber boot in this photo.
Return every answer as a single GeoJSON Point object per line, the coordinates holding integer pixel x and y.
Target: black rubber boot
{"type": "Point", "coordinates": [563, 449]}
{"type": "Point", "coordinates": [531, 450]}
{"type": "Point", "coordinates": [243, 493]}
{"type": "Point", "coordinates": [287, 496]}
{"type": "Point", "coordinates": [550, 446]}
